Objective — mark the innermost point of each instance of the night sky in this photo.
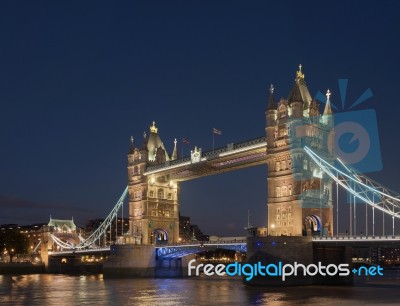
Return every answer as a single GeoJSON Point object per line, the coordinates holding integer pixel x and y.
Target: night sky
{"type": "Point", "coordinates": [77, 79]}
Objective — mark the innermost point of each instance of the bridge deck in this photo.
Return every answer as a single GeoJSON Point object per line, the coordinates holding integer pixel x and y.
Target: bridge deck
{"type": "Point", "coordinates": [81, 251]}
{"type": "Point", "coordinates": [233, 156]}
{"type": "Point", "coordinates": [182, 249]}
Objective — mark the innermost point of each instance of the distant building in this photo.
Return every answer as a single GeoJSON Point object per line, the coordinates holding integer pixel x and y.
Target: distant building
{"type": "Point", "coordinates": [62, 226]}
{"type": "Point", "coordinates": [185, 234]}
{"type": "Point", "coordinates": [32, 232]}
{"type": "Point", "coordinates": [197, 234]}
{"type": "Point", "coordinates": [8, 226]}
{"type": "Point", "coordinates": [189, 232]}
{"type": "Point", "coordinates": [257, 231]}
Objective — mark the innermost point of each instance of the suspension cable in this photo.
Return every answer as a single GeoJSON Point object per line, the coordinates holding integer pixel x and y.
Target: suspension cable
{"type": "Point", "coordinates": [99, 232]}
{"type": "Point", "coordinates": [361, 186]}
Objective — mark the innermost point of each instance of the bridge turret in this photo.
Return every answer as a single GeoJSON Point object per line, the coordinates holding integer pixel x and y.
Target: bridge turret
{"type": "Point", "coordinates": [154, 146]}
{"type": "Point", "coordinates": [137, 188]}
{"type": "Point", "coordinates": [327, 116]}
{"type": "Point", "coordinates": [299, 98]}
{"type": "Point", "coordinates": [174, 154]}
{"type": "Point", "coordinates": [271, 114]}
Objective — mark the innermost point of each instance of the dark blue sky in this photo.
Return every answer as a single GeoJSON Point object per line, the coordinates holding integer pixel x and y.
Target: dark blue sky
{"type": "Point", "coordinates": [77, 79]}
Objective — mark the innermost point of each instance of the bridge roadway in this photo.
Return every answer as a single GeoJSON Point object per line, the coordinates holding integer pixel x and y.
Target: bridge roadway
{"type": "Point", "coordinates": [233, 156]}
{"type": "Point", "coordinates": [175, 250]}
{"type": "Point", "coordinates": [90, 251]}
{"type": "Point", "coordinates": [178, 250]}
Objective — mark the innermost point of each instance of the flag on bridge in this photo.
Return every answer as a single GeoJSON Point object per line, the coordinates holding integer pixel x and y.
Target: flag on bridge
{"type": "Point", "coordinates": [185, 140]}
{"type": "Point", "coordinates": [216, 131]}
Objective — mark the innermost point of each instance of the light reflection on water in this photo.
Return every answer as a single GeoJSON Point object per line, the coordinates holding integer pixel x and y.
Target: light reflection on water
{"type": "Point", "coordinates": [47, 289]}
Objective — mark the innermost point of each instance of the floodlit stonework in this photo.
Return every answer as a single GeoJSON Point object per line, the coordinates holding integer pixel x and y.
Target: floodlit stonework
{"type": "Point", "coordinates": [299, 195]}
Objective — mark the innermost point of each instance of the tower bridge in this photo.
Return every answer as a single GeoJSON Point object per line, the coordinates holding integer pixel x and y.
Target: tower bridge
{"type": "Point", "coordinates": [302, 171]}
{"type": "Point", "coordinates": [296, 205]}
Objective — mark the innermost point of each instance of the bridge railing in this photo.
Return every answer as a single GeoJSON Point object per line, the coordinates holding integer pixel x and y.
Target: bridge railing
{"type": "Point", "coordinates": [249, 143]}
{"type": "Point", "coordinates": [198, 242]}
{"type": "Point", "coordinates": [215, 152]}
{"type": "Point", "coordinates": [178, 161]}
{"type": "Point", "coordinates": [352, 237]}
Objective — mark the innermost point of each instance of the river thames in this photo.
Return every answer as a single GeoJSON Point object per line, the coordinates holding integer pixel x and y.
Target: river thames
{"type": "Point", "coordinates": [47, 289]}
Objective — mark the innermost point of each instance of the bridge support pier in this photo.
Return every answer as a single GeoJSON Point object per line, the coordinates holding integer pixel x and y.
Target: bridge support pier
{"type": "Point", "coordinates": [173, 267]}
{"type": "Point", "coordinates": [133, 260]}
{"type": "Point", "coordinates": [130, 260]}
{"type": "Point", "coordinates": [44, 250]}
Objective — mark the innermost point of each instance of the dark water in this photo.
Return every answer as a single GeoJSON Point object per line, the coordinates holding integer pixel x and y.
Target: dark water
{"type": "Point", "coordinates": [94, 290]}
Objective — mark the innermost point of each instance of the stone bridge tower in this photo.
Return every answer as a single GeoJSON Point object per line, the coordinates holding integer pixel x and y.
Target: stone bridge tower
{"type": "Point", "coordinates": [299, 194]}
{"type": "Point", "coordinates": [153, 200]}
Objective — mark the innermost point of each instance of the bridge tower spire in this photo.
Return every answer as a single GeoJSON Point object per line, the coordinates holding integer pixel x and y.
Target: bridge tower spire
{"type": "Point", "coordinates": [270, 114]}
{"type": "Point", "coordinates": [174, 154]}
{"type": "Point", "coordinates": [299, 194]}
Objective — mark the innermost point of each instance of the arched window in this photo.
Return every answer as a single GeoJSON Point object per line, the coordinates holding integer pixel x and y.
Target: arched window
{"type": "Point", "coordinates": [290, 189]}
{"type": "Point", "coordinates": [278, 166]}
{"type": "Point", "coordinates": [284, 191]}
{"type": "Point", "coordinates": [160, 194]}
{"type": "Point", "coordinates": [135, 170]}
{"type": "Point", "coordinates": [151, 194]}
{"type": "Point", "coordinates": [284, 165]}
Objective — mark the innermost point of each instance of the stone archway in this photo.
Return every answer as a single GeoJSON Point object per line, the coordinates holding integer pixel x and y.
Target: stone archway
{"type": "Point", "coordinates": [313, 225]}
{"type": "Point", "coordinates": [159, 236]}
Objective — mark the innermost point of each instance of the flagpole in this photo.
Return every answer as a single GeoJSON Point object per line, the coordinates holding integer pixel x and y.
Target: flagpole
{"type": "Point", "coordinates": [215, 131]}
{"type": "Point", "coordinates": [213, 140]}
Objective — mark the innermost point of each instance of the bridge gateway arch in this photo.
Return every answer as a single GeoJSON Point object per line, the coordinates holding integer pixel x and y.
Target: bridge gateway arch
{"type": "Point", "coordinates": [299, 195]}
